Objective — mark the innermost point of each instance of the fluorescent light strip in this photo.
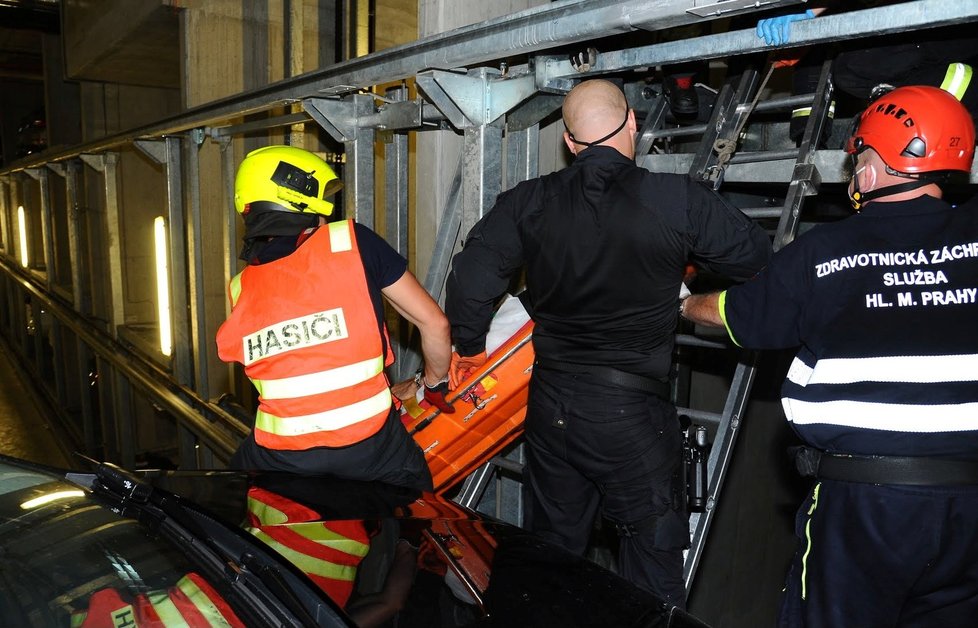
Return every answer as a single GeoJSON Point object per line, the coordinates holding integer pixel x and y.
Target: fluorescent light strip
{"type": "Point", "coordinates": [163, 286]}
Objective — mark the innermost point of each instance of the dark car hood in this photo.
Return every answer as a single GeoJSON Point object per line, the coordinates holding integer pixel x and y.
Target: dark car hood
{"type": "Point", "coordinates": [497, 574]}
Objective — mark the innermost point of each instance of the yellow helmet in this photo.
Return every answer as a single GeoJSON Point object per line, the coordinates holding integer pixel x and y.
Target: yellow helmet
{"type": "Point", "coordinates": [284, 178]}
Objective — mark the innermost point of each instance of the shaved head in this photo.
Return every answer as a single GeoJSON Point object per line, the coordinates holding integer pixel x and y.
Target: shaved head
{"type": "Point", "coordinates": [595, 108]}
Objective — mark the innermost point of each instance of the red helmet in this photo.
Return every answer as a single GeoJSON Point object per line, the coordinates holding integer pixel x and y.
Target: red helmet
{"type": "Point", "coordinates": [917, 129]}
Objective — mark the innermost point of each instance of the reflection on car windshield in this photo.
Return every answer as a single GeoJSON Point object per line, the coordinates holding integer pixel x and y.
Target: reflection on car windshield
{"type": "Point", "coordinates": [70, 561]}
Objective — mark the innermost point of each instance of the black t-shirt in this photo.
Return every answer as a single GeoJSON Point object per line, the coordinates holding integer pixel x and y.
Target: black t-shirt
{"type": "Point", "coordinates": [605, 244]}
{"type": "Point", "coordinates": [382, 265]}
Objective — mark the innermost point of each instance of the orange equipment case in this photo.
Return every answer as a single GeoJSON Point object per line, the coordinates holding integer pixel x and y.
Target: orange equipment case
{"type": "Point", "coordinates": [489, 409]}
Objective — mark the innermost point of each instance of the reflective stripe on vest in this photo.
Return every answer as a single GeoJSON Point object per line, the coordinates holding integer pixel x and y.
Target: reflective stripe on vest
{"type": "Point", "coordinates": [324, 381]}
{"type": "Point", "coordinates": [191, 604]}
{"type": "Point", "coordinates": [311, 424]}
{"type": "Point", "coordinates": [305, 328]}
{"type": "Point", "coordinates": [957, 79]}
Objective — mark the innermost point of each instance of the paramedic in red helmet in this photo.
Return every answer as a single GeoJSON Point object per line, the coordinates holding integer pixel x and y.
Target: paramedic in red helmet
{"type": "Point", "coordinates": [307, 324]}
{"type": "Point", "coordinates": [883, 391]}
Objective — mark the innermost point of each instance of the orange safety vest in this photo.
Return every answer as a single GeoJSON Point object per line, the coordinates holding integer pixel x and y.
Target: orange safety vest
{"type": "Point", "coordinates": [305, 329]}
{"type": "Point", "coordinates": [328, 552]}
{"type": "Point", "coordinates": [191, 602]}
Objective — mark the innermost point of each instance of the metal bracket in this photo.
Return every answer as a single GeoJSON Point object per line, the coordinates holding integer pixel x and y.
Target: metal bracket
{"type": "Point", "coordinates": [57, 168]}
{"type": "Point", "coordinates": [34, 173]}
{"type": "Point", "coordinates": [726, 7]}
{"type": "Point", "coordinates": [154, 149]}
{"type": "Point", "coordinates": [476, 98]}
{"type": "Point", "coordinates": [809, 175]}
{"type": "Point", "coordinates": [95, 162]}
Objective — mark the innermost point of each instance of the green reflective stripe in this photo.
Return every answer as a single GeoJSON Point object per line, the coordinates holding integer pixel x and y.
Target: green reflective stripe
{"type": "Point", "coordinates": [234, 289]}
{"type": "Point", "coordinates": [324, 421]}
{"type": "Point", "coordinates": [169, 614]}
{"type": "Point", "coordinates": [307, 563]}
{"type": "Point", "coordinates": [808, 540]}
{"type": "Point", "coordinates": [203, 602]}
{"type": "Point", "coordinates": [267, 515]}
{"type": "Point", "coordinates": [323, 381]}
{"type": "Point", "coordinates": [957, 79]}
{"type": "Point", "coordinates": [339, 236]}
{"type": "Point", "coordinates": [801, 112]}
{"type": "Point", "coordinates": [318, 533]}
{"type": "Point", "coordinates": [78, 618]}
{"type": "Point", "coordinates": [722, 309]}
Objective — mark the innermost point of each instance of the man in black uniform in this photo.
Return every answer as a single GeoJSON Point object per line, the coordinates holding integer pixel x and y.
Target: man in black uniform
{"type": "Point", "coordinates": [884, 387]}
{"type": "Point", "coordinates": [605, 244]}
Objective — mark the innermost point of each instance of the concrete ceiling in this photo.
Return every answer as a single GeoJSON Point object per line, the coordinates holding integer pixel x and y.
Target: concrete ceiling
{"type": "Point", "coordinates": [22, 25]}
{"type": "Point", "coordinates": [134, 42]}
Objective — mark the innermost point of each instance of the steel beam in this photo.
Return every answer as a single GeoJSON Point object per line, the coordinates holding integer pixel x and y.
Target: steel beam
{"type": "Point", "coordinates": [549, 25]}
{"type": "Point", "coordinates": [553, 72]}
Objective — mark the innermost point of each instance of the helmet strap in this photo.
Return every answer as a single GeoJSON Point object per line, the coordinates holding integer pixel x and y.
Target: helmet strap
{"type": "Point", "coordinates": [858, 199]}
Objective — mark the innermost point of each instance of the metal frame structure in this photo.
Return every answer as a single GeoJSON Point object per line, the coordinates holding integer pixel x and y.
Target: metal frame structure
{"type": "Point", "coordinates": [496, 107]}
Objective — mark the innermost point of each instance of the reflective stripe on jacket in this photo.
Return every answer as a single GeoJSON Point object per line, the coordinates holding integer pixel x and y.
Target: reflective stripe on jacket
{"type": "Point", "coordinates": [305, 329]}
{"type": "Point", "coordinates": [328, 552]}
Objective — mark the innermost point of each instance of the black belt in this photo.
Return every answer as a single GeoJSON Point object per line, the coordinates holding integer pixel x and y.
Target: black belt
{"type": "Point", "coordinates": [908, 470]}
{"type": "Point", "coordinates": [611, 375]}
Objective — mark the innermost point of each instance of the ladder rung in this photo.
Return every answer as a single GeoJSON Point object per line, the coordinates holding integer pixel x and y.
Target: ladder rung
{"type": "Point", "coordinates": [762, 212]}
{"type": "Point", "coordinates": [774, 104]}
{"type": "Point", "coordinates": [764, 155]}
{"type": "Point", "coordinates": [688, 340]}
{"type": "Point", "coordinates": [713, 418]}
{"type": "Point", "coordinates": [694, 129]}
{"type": "Point", "coordinates": [510, 465]}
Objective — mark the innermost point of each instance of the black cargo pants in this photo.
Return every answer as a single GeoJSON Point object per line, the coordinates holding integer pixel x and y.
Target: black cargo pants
{"type": "Point", "coordinates": [591, 445]}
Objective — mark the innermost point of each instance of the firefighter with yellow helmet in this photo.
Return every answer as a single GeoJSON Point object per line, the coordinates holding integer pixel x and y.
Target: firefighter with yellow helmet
{"type": "Point", "coordinates": [883, 390]}
{"type": "Point", "coordinates": [307, 324]}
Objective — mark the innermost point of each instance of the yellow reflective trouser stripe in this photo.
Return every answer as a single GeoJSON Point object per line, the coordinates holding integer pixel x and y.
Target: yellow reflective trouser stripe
{"type": "Point", "coordinates": [957, 79]}
{"type": "Point", "coordinates": [801, 112]}
{"type": "Point", "coordinates": [234, 289]}
{"type": "Point", "coordinates": [323, 381]}
{"type": "Point", "coordinates": [267, 515]}
{"type": "Point", "coordinates": [309, 564]}
{"type": "Point", "coordinates": [808, 540]}
{"type": "Point", "coordinates": [339, 237]}
{"type": "Point", "coordinates": [202, 601]}
{"type": "Point", "coordinates": [324, 421]}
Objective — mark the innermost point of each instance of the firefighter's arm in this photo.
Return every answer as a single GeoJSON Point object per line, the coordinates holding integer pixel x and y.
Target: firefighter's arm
{"type": "Point", "coordinates": [413, 302]}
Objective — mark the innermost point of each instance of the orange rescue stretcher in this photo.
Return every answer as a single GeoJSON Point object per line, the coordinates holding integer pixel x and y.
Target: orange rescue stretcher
{"type": "Point", "coordinates": [490, 406]}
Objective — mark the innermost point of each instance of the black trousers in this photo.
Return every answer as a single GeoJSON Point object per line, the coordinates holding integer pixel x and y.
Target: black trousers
{"type": "Point", "coordinates": [883, 555]}
{"type": "Point", "coordinates": [389, 456]}
{"type": "Point", "coordinates": [591, 445]}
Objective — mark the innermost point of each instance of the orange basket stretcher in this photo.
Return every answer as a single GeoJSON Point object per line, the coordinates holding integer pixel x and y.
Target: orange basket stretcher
{"type": "Point", "coordinates": [490, 406]}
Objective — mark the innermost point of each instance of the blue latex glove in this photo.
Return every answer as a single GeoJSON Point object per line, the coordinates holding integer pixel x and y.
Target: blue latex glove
{"type": "Point", "coordinates": [777, 30]}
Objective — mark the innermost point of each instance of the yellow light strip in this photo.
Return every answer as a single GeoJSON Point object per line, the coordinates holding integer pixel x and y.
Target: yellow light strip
{"type": "Point", "coordinates": [22, 225]}
{"type": "Point", "coordinates": [163, 286]}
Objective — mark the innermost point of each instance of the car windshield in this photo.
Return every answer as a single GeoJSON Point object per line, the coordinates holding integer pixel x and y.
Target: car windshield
{"type": "Point", "coordinates": [68, 560]}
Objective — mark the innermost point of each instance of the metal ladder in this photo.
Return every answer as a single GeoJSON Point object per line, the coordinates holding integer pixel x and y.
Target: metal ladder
{"type": "Point", "coordinates": [730, 113]}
